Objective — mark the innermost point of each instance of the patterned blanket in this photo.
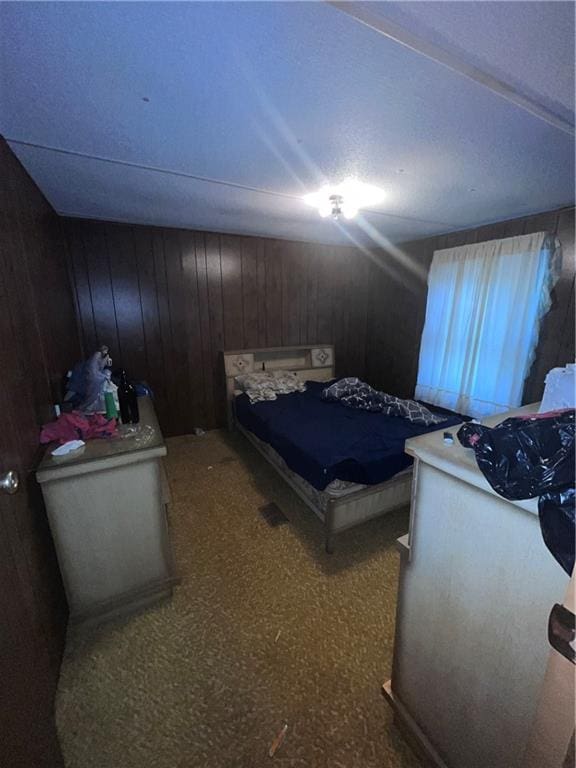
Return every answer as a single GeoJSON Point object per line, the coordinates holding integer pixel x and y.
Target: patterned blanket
{"type": "Point", "coordinates": [354, 393]}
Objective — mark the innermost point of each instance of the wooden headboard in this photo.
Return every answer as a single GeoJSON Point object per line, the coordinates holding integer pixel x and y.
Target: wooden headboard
{"type": "Point", "coordinates": [309, 363]}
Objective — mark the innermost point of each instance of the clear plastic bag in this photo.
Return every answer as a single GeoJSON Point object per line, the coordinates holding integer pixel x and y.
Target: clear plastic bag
{"type": "Point", "coordinates": [142, 434]}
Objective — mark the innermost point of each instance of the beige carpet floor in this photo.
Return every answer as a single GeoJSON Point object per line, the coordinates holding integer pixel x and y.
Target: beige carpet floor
{"type": "Point", "coordinates": [265, 629]}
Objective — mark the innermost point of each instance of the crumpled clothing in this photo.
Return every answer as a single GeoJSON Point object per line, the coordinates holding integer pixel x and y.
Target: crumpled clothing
{"type": "Point", "coordinates": [78, 426]}
{"type": "Point", "coordinates": [354, 393]}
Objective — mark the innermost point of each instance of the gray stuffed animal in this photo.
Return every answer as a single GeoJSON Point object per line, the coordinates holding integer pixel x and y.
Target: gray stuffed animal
{"type": "Point", "coordinates": [96, 380]}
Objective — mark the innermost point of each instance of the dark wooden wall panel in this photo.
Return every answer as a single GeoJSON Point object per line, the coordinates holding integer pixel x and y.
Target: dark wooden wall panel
{"type": "Point", "coordinates": [82, 295]}
{"type": "Point", "coordinates": [249, 250]}
{"type": "Point", "coordinates": [103, 299]}
{"type": "Point", "coordinates": [398, 304]}
{"type": "Point", "coordinates": [208, 412]}
{"type": "Point", "coordinates": [168, 301]}
{"type": "Point", "coordinates": [272, 257]}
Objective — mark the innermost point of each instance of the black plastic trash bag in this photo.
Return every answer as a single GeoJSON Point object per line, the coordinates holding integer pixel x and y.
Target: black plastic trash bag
{"type": "Point", "coordinates": [557, 523]}
{"type": "Point", "coordinates": [534, 456]}
{"type": "Point", "coordinates": [524, 457]}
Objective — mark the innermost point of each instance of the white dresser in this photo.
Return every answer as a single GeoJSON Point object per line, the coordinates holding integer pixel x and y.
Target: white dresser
{"type": "Point", "coordinates": [477, 584]}
{"type": "Point", "coordinates": [107, 512]}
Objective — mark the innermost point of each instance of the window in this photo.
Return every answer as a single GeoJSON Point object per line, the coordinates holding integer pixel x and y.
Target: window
{"type": "Point", "coordinates": [485, 303]}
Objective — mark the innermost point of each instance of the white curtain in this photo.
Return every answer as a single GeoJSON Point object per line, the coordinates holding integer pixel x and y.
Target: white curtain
{"type": "Point", "coordinates": [485, 303]}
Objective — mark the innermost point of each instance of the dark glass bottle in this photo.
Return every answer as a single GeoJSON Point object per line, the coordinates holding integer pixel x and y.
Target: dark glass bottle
{"type": "Point", "coordinates": [128, 401]}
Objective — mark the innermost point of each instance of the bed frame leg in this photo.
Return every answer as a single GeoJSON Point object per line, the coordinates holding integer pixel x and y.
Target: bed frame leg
{"type": "Point", "coordinates": [329, 544]}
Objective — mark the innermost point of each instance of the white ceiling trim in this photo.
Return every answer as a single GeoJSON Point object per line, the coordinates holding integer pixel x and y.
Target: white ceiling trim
{"type": "Point", "coordinates": [204, 179]}
{"type": "Point", "coordinates": [361, 13]}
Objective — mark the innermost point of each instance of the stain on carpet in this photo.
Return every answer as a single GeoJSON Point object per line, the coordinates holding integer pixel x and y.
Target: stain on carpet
{"type": "Point", "coordinates": [227, 459]}
{"type": "Point", "coordinates": [272, 514]}
{"type": "Point", "coordinates": [265, 629]}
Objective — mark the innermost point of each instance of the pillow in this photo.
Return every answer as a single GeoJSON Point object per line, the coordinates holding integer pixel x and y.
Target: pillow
{"type": "Point", "coordinates": [247, 381]}
{"type": "Point", "coordinates": [287, 381]}
{"type": "Point", "coordinates": [258, 386]}
{"type": "Point", "coordinates": [268, 384]}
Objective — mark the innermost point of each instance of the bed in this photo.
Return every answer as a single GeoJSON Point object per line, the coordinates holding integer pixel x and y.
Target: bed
{"type": "Point", "coordinates": [324, 451]}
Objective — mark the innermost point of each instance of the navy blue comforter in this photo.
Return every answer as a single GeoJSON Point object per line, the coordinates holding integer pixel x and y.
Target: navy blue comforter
{"type": "Point", "coordinates": [322, 441]}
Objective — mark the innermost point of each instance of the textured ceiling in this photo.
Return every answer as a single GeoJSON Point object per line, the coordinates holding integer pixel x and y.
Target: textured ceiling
{"type": "Point", "coordinates": [530, 45]}
{"type": "Point", "coordinates": [220, 116]}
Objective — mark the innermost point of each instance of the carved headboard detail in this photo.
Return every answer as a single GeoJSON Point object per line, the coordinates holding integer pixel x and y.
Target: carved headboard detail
{"type": "Point", "coordinates": [235, 364]}
{"type": "Point", "coordinates": [310, 363]}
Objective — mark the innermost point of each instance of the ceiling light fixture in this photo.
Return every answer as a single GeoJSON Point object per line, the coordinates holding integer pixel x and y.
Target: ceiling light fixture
{"type": "Point", "coordinates": [344, 199]}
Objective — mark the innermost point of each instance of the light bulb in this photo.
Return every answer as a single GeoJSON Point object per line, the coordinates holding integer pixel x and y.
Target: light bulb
{"type": "Point", "coordinates": [344, 199]}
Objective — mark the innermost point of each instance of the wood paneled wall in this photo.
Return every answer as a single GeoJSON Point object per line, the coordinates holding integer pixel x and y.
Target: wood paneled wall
{"type": "Point", "coordinates": [398, 304]}
{"type": "Point", "coordinates": [168, 301]}
{"type": "Point", "coordinates": [38, 343]}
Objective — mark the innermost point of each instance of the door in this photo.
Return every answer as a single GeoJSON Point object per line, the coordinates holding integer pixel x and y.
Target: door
{"type": "Point", "coordinates": [32, 606]}
{"type": "Point", "coordinates": [32, 603]}
{"type": "Point", "coordinates": [27, 669]}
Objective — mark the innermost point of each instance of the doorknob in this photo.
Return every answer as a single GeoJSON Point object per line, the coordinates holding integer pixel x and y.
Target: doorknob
{"type": "Point", "coordinates": [9, 482]}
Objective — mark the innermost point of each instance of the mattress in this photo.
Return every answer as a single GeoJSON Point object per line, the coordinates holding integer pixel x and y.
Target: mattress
{"type": "Point", "coordinates": [325, 441]}
{"type": "Point", "coordinates": [334, 490]}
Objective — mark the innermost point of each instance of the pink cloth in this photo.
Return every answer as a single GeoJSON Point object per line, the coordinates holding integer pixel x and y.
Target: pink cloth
{"type": "Point", "coordinates": [78, 426]}
{"type": "Point", "coordinates": [545, 415]}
